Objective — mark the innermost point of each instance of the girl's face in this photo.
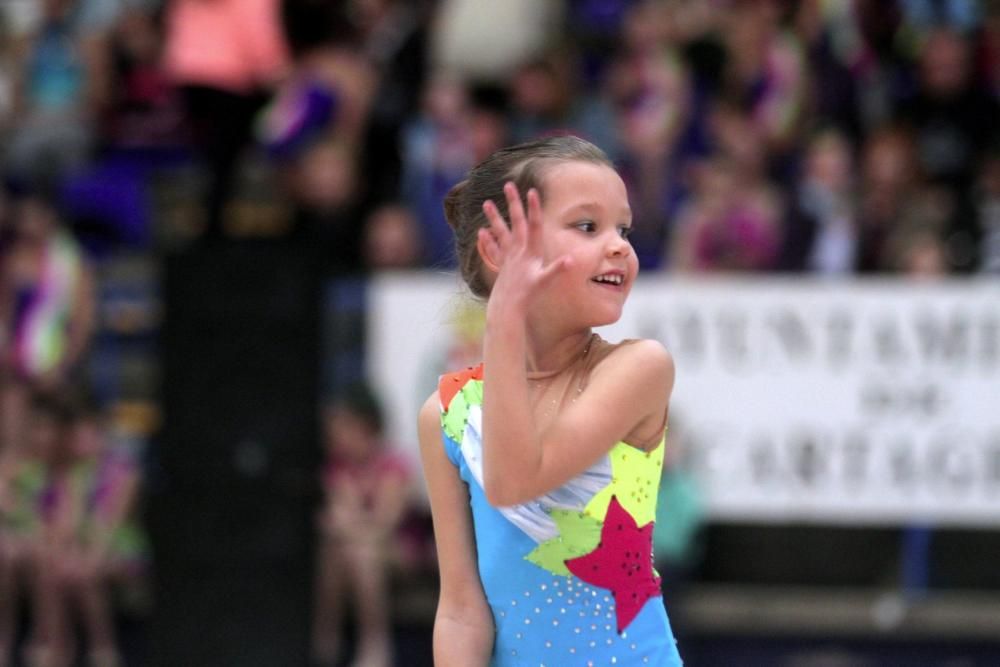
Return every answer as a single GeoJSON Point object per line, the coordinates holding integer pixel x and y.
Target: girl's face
{"type": "Point", "coordinates": [888, 164]}
{"type": "Point", "coordinates": [35, 220]}
{"type": "Point", "coordinates": [348, 434]}
{"type": "Point", "coordinates": [586, 216]}
{"type": "Point", "coordinates": [392, 238]}
{"type": "Point", "coordinates": [829, 162]}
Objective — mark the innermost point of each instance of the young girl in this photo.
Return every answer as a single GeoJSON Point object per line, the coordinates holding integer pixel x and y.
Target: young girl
{"type": "Point", "coordinates": [367, 488]}
{"type": "Point", "coordinates": [19, 542]}
{"type": "Point", "coordinates": [91, 540]}
{"type": "Point", "coordinates": [22, 517]}
{"type": "Point", "coordinates": [47, 314]}
{"type": "Point", "coordinates": [543, 490]}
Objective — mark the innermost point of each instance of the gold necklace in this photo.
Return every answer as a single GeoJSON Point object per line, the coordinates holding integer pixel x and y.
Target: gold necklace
{"type": "Point", "coordinates": [545, 378]}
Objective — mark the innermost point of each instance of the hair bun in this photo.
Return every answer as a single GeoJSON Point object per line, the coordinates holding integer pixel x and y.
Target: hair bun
{"type": "Point", "coordinates": [452, 203]}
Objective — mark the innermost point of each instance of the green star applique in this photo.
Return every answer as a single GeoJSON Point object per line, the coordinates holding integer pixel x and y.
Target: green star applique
{"type": "Point", "coordinates": [579, 534]}
{"type": "Point", "coordinates": [635, 481]}
{"type": "Point", "coordinates": [453, 421]}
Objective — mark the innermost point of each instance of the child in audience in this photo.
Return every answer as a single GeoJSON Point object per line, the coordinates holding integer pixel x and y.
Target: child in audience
{"type": "Point", "coordinates": [47, 311]}
{"type": "Point", "coordinates": [89, 539]}
{"type": "Point", "coordinates": [23, 503]}
{"type": "Point", "coordinates": [367, 488]}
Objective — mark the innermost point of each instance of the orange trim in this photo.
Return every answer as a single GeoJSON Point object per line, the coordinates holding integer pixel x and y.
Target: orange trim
{"type": "Point", "coordinates": [451, 383]}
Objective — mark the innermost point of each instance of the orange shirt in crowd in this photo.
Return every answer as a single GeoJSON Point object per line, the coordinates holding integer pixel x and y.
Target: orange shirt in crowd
{"type": "Point", "coordinates": [235, 45]}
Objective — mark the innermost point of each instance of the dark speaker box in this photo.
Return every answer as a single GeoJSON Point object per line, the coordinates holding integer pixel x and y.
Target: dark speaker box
{"type": "Point", "coordinates": [234, 479]}
{"type": "Point", "coordinates": [240, 363]}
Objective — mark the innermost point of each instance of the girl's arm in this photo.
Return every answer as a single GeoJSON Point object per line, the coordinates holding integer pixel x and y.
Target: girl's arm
{"type": "Point", "coordinates": [6, 304]}
{"type": "Point", "coordinates": [391, 499]}
{"type": "Point", "coordinates": [59, 528]}
{"type": "Point", "coordinates": [346, 516]}
{"type": "Point", "coordinates": [463, 626]}
{"type": "Point", "coordinates": [626, 397]}
{"type": "Point", "coordinates": [121, 507]}
{"type": "Point", "coordinates": [82, 317]}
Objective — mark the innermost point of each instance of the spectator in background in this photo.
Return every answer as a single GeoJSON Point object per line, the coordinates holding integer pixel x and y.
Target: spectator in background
{"type": "Point", "coordinates": [47, 311]}
{"type": "Point", "coordinates": [459, 126]}
{"type": "Point", "coordinates": [90, 540]}
{"type": "Point", "coordinates": [821, 230]}
{"type": "Point", "coordinates": [648, 82]}
{"type": "Point", "coordinates": [650, 89]}
{"type": "Point", "coordinates": [395, 41]}
{"type": "Point", "coordinates": [370, 56]}
{"type": "Point", "coordinates": [315, 130]}
{"type": "Point", "coordinates": [765, 75]}
{"type": "Point", "coordinates": [831, 96]}
{"type": "Point", "coordinates": [22, 492]}
{"type": "Point", "coordinates": [226, 56]}
{"type": "Point", "coordinates": [437, 151]}
{"type": "Point", "coordinates": [733, 220]}
{"type": "Point", "coordinates": [921, 233]}
{"type": "Point", "coordinates": [322, 185]}
{"type": "Point", "coordinates": [921, 256]}
{"type": "Point", "coordinates": [144, 110]}
{"type": "Point", "coordinates": [60, 89]}
{"type": "Point", "coordinates": [327, 59]}
{"type": "Point", "coordinates": [392, 239]}
{"type": "Point", "coordinates": [987, 204]}
{"type": "Point", "coordinates": [489, 124]}
{"type": "Point", "coordinates": [953, 122]}
{"type": "Point", "coordinates": [951, 117]}
{"type": "Point", "coordinates": [868, 45]}
{"type": "Point", "coordinates": [545, 99]}
{"type": "Point", "coordinates": [891, 186]}
{"type": "Point", "coordinates": [367, 491]}
{"type": "Point", "coordinates": [729, 224]}
{"type": "Point", "coordinates": [860, 62]}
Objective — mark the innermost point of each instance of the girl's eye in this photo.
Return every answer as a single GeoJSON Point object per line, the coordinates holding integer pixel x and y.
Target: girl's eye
{"type": "Point", "coordinates": [586, 226]}
{"type": "Point", "coordinates": [625, 231]}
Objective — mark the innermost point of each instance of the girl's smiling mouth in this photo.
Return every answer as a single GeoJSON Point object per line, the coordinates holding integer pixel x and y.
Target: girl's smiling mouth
{"type": "Point", "coordinates": [611, 278]}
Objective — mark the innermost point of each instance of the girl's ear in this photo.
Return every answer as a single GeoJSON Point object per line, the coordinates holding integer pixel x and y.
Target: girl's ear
{"type": "Point", "coordinates": [488, 251]}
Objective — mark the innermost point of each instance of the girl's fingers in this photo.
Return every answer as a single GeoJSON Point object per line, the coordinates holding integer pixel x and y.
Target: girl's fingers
{"type": "Point", "coordinates": [497, 225]}
{"type": "Point", "coordinates": [534, 220]}
{"type": "Point", "coordinates": [518, 223]}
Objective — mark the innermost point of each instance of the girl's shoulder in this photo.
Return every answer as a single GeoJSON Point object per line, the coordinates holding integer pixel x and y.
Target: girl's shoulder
{"type": "Point", "coordinates": [641, 367]}
{"type": "Point", "coordinates": [642, 355]}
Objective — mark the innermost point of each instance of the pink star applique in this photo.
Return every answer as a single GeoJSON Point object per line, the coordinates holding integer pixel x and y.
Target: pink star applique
{"type": "Point", "coordinates": [622, 562]}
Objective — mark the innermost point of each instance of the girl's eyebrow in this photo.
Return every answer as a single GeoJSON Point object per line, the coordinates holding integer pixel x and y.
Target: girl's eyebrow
{"type": "Point", "coordinates": [594, 207]}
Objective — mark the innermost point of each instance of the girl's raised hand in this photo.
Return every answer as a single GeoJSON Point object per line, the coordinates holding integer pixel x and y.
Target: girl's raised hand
{"type": "Point", "coordinates": [518, 251]}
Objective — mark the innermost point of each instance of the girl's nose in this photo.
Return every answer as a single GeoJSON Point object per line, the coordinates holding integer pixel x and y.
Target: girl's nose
{"type": "Point", "coordinates": [618, 246]}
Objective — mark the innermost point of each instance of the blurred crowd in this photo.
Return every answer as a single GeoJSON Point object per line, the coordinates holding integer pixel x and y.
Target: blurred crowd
{"type": "Point", "coordinates": [813, 136]}
{"type": "Point", "coordinates": [71, 553]}
{"type": "Point", "coordinates": [755, 135]}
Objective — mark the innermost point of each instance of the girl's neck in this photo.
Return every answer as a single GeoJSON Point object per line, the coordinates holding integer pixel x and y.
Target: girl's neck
{"type": "Point", "coordinates": [550, 356]}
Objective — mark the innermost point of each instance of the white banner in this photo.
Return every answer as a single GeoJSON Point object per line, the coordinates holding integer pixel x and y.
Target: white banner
{"type": "Point", "coordinates": [796, 400]}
